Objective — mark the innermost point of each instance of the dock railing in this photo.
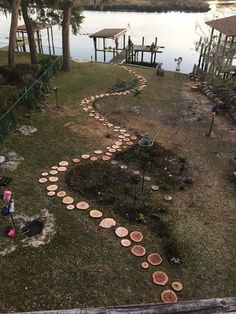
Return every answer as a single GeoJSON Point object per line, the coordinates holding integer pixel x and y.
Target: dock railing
{"type": "Point", "coordinates": [27, 100]}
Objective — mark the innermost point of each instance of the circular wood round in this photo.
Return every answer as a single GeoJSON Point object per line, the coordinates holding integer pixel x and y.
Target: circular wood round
{"type": "Point", "coordinates": [125, 242]}
{"type": "Point", "coordinates": [52, 187]}
{"type": "Point", "coordinates": [154, 259]}
{"type": "Point", "coordinates": [63, 163]}
{"type": "Point", "coordinates": [177, 286]}
{"type": "Point", "coordinates": [129, 143]}
{"type": "Point", "coordinates": [138, 250]}
{"type": "Point", "coordinates": [121, 232]}
{"type": "Point", "coordinates": [51, 193]}
{"type": "Point", "coordinates": [146, 178]}
{"type": "Point", "coordinates": [127, 135]}
{"type": "Point", "coordinates": [53, 172]}
{"type": "Point", "coordinates": [70, 207]}
{"type": "Point", "coordinates": [54, 167]}
{"type": "Point", "coordinates": [62, 169]}
{"type": "Point", "coordinates": [106, 157]}
{"type": "Point", "coordinates": [122, 130]}
{"type": "Point", "coordinates": [118, 143]}
{"type": "Point", "coordinates": [61, 193]}
{"type": "Point", "coordinates": [123, 167]}
{"type": "Point", "coordinates": [43, 180]}
{"type": "Point", "coordinates": [85, 156]}
{"type": "Point", "coordinates": [145, 265]}
{"type": "Point", "coordinates": [76, 160]}
{"type": "Point", "coordinates": [169, 296]}
{"type": "Point", "coordinates": [136, 236]}
{"type": "Point", "coordinates": [112, 150]}
{"type": "Point", "coordinates": [133, 138]}
{"type": "Point", "coordinates": [67, 200]}
{"type": "Point", "coordinates": [168, 198]}
{"type": "Point", "coordinates": [93, 158]}
{"type": "Point", "coordinates": [98, 152]}
{"type": "Point", "coordinates": [95, 213]}
{"type": "Point", "coordinates": [160, 278]}
{"type": "Point", "coordinates": [136, 172]}
{"type": "Point", "coordinates": [109, 154]}
{"type": "Point", "coordinates": [115, 146]}
{"type": "Point", "coordinates": [107, 223]}
{"type": "Point", "coordinates": [121, 136]}
{"type": "Point", "coordinates": [44, 174]}
{"type": "Point", "coordinates": [53, 179]}
{"type": "Point", "coordinates": [82, 205]}
{"type": "Point", "coordinates": [155, 187]}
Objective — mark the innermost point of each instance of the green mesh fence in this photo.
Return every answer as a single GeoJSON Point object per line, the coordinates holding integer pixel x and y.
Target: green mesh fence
{"type": "Point", "coordinates": [27, 100]}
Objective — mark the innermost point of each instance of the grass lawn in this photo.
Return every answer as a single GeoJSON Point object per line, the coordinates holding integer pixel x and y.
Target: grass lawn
{"type": "Point", "coordinates": [84, 265]}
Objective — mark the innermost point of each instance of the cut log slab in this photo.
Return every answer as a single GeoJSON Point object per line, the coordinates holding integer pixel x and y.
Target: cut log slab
{"type": "Point", "coordinates": [209, 306]}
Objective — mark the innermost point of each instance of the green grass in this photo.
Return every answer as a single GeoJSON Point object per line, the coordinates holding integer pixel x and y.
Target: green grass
{"type": "Point", "coordinates": [84, 265]}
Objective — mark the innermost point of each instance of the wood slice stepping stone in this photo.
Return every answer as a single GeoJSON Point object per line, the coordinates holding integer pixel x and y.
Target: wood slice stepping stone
{"type": "Point", "coordinates": [98, 152]}
{"type": "Point", "coordinates": [177, 286]}
{"type": "Point", "coordinates": [118, 143]}
{"type": "Point", "coordinates": [129, 143]}
{"type": "Point", "coordinates": [62, 169]}
{"type": "Point", "coordinates": [116, 127]}
{"type": "Point", "coordinates": [51, 193]}
{"type": "Point", "coordinates": [112, 150]}
{"type": "Point", "coordinates": [121, 232]}
{"type": "Point", "coordinates": [115, 130]}
{"type": "Point", "coordinates": [95, 213]}
{"type": "Point", "coordinates": [53, 179]}
{"type": "Point", "coordinates": [53, 172]}
{"type": "Point", "coordinates": [146, 178]}
{"type": "Point", "coordinates": [76, 160]}
{"type": "Point", "coordinates": [67, 200]}
{"type": "Point", "coordinates": [106, 157]}
{"type": "Point", "coordinates": [133, 138]}
{"type": "Point", "coordinates": [43, 180]}
{"type": "Point", "coordinates": [121, 136]}
{"type": "Point", "coordinates": [109, 154]}
{"type": "Point", "coordinates": [115, 146]}
{"type": "Point", "coordinates": [160, 278]}
{"type": "Point", "coordinates": [126, 139]}
{"type": "Point", "coordinates": [168, 198]}
{"type": "Point", "coordinates": [136, 236]}
{"type": "Point", "coordinates": [107, 223]}
{"type": "Point", "coordinates": [122, 130]}
{"type": "Point", "coordinates": [138, 250]}
{"type": "Point", "coordinates": [155, 187]}
{"type": "Point", "coordinates": [52, 187]}
{"type": "Point", "coordinates": [93, 158]}
{"type": "Point", "coordinates": [123, 167]}
{"type": "Point", "coordinates": [85, 156]}
{"type": "Point", "coordinates": [54, 167]}
{"type": "Point", "coordinates": [114, 162]}
{"type": "Point", "coordinates": [61, 193]}
{"type": "Point", "coordinates": [124, 146]}
{"type": "Point", "coordinates": [126, 134]}
{"type": "Point", "coordinates": [145, 265]}
{"type": "Point", "coordinates": [63, 163]}
{"type": "Point", "coordinates": [136, 172]}
{"type": "Point", "coordinates": [119, 149]}
{"type": "Point", "coordinates": [70, 207]}
{"type": "Point", "coordinates": [169, 296]}
{"type": "Point", "coordinates": [44, 174]}
{"type": "Point", "coordinates": [154, 259]}
{"type": "Point", "coordinates": [82, 205]}
{"type": "Point", "coordinates": [125, 242]}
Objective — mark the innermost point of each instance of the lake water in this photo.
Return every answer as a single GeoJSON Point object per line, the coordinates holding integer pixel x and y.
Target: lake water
{"type": "Point", "coordinates": [178, 32]}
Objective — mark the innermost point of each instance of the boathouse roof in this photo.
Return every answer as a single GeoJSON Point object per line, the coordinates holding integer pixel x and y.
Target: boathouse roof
{"type": "Point", "coordinates": [226, 25]}
{"type": "Point", "coordinates": [109, 33]}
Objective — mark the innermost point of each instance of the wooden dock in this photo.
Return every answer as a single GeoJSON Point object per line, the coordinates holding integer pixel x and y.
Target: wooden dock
{"type": "Point", "coordinates": [120, 58]}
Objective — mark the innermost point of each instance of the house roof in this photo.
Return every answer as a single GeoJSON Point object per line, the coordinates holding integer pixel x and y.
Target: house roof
{"type": "Point", "coordinates": [109, 33]}
{"type": "Point", "coordinates": [226, 25]}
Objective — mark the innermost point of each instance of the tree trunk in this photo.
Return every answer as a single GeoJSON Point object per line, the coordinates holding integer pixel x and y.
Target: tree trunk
{"type": "Point", "coordinates": [67, 6]}
{"type": "Point", "coordinates": [12, 35]}
{"type": "Point", "coordinates": [30, 32]}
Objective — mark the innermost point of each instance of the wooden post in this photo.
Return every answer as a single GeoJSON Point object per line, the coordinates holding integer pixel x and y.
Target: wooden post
{"type": "Point", "coordinates": [124, 41]}
{"type": "Point", "coordinates": [209, 49]}
{"type": "Point", "coordinates": [49, 43]}
{"type": "Point", "coordinates": [23, 41]}
{"type": "Point", "coordinates": [200, 57]}
{"type": "Point", "coordinates": [142, 51]}
{"type": "Point", "coordinates": [53, 47]}
{"type": "Point", "coordinates": [203, 67]}
{"type": "Point", "coordinates": [38, 41]}
{"type": "Point", "coordinates": [104, 52]}
{"type": "Point", "coordinates": [95, 47]}
{"type": "Point", "coordinates": [155, 54]}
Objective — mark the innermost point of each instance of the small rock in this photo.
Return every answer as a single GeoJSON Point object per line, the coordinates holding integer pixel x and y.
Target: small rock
{"type": "Point", "coordinates": [2, 159]}
{"type": "Point", "coordinates": [10, 165]}
{"type": "Point", "coordinates": [27, 130]}
{"type": "Point", "coordinates": [175, 260]}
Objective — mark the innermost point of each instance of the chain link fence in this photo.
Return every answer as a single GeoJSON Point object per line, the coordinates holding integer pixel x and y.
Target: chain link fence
{"type": "Point", "coordinates": [26, 101]}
